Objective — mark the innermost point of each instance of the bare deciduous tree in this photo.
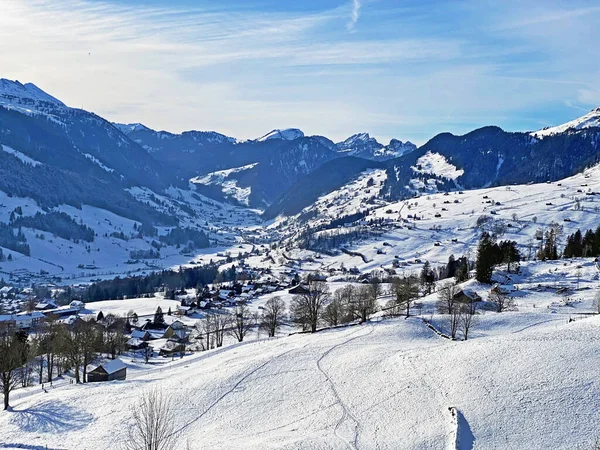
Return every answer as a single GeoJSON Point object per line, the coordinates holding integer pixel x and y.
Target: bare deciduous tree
{"type": "Point", "coordinates": [448, 304]}
{"type": "Point", "coordinates": [501, 302]}
{"type": "Point", "coordinates": [468, 317]}
{"type": "Point", "coordinates": [273, 315]}
{"type": "Point", "coordinates": [447, 297]}
{"type": "Point", "coordinates": [364, 302]}
{"type": "Point", "coordinates": [153, 425]}
{"type": "Point", "coordinates": [242, 322]}
{"type": "Point", "coordinates": [406, 291]}
{"type": "Point", "coordinates": [212, 328]}
{"type": "Point", "coordinates": [306, 308]}
{"type": "Point", "coordinates": [11, 349]}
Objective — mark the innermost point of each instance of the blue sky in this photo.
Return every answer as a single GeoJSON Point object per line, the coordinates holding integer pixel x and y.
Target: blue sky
{"type": "Point", "coordinates": [403, 69]}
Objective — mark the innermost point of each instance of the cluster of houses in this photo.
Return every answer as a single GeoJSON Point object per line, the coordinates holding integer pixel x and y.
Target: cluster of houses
{"type": "Point", "coordinates": [29, 320]}
{"type": "Point", "coordinates": [168, 339]}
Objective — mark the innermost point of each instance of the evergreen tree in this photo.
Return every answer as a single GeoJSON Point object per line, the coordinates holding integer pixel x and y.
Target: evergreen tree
{"type": "Point", "coordinates": [427, 277]}
{"type": "Point", "coordinates": [451, 267]}
{"type": "Point", "coordinates": [485, 258]}
{"type": "Point", "coordinates": [509, 253]}
{"type": "Point", "coordinates": [159, 317]}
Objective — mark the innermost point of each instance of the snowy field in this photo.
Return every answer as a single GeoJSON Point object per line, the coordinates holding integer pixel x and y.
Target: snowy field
{"type": "Point", "coordinates": [386, 385]}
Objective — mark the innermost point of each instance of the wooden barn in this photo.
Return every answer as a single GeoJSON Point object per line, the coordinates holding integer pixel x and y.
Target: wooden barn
{"type": "Point", "coordinates": [112, 370]}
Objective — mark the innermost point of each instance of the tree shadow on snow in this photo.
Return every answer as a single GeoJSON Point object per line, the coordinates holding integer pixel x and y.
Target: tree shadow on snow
{"type": "Point", "coordinates": [50, 417]}
{"type": "Point", "coordinates": [29, 447]}
{"type": "Point", "coordinates": [466, 440]}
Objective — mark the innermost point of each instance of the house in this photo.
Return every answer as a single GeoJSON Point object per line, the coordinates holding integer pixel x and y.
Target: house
{"type": "Point", "coordinates": [177, 325]}
{"type": "Point", "coordinates": [21, 321]}
{"type": "Point", "coordinates": [171, 348]}
{"type": "Point", "coordinates": [180, 336]}
{"type": "Point", "coordinates": [136, 344]}
{"type": "Point", "coordinates": [467, 295]}
{"type": "Point", "coordinates": [503, 289]}
{"type": "Point", "coordinates": [112, 370]}
{"type": "Point", "coordinates": [7, 322]}
{"type": "Point", "coordinates": [142, 335]}
{"type": "Point", "coordinates": [183, 310]}
{"type": "Point", "coordinates": [45, 305]}
{"type": "Point", "coordinates": [7, 290]}
{"type": "Point", "coordinates": [76, 304]}
{"type": "Point", "coordinates": [299, 289]}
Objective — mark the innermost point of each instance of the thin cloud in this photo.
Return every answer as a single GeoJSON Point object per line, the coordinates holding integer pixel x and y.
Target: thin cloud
{"type": "Point", "coordinates": [355, 14]}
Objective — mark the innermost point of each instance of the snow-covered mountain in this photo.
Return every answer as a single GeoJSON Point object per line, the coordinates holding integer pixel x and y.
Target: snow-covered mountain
{"type": "Point", "coordinates": [127, 128]}
{"type": "Point", "coordinates": [362, 145]}
{"type": "Point", "coordinates": [589, 120]}
{"type": "Point", "coordinates": [287, 134]}
{"type": "Point", "coordinates": [25, 95]}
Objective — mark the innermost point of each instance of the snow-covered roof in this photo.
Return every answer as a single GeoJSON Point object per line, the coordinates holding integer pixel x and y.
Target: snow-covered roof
{"type": "Point", "coordinates": [138, 334]}
{"type": "Point", "coordinates": [113, 366]}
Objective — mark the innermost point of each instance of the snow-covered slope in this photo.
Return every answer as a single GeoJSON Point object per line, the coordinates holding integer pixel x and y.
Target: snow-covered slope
{"type": "Point", "coordinates": [589, 120]}
{"type": "Point", "coordinates": [436, 164]}
{"type": "Point", "coordinates": [379, 385]}
{"type": "Point", "coordinates": [288, 134]}
{"type": "Point", "coordinates": [229, 185]}
{"type": "Point", "coordinates": [431, 227]}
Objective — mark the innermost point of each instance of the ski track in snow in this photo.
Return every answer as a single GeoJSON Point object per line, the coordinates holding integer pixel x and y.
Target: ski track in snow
{"type": "Point", "coordinates": [346, 413]}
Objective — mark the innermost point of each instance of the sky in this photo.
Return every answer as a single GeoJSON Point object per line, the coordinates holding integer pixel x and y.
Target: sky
{"type": "Point", "coordinates": [396, 69]}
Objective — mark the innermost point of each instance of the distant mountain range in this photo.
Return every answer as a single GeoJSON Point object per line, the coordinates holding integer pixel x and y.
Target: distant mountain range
{"type": "Point", "coordinates": [61, 155]}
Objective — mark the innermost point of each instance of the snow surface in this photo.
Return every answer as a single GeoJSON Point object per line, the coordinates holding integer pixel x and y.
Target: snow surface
{"type": "Point", "coordinates": [22, 156]}
{"type": "Point", "coordinates": [228, 186]}
{"type": "Point", "coordinates": [589, 120]}
{"type": "Point", "coordinates": [97, 162]}
{"type": "Point", "coordinates": [436, 164]}
{"type": "Point", "coordinates": [386, 384]}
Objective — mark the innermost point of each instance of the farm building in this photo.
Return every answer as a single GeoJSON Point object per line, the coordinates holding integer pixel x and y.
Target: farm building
{"type": "Point", "coordinates": [112, 370]}
{"type": "Point", "coordinates": [467, 295]}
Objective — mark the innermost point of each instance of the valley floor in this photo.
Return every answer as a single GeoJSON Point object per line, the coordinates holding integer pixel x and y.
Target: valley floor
{"type": "Point", "coordinates": [387, 384]}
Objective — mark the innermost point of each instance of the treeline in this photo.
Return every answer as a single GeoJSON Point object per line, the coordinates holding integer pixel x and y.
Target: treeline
{"type": "Point", "coordinates": [586, 245]}
{"type": "Point", "coordinates": [57, 223]}
{"type": "Point", "coordinates": [12, 241]}
{"type": "Point", "coordinates": [144, 254]}
{"type": "Point", "coordinates": [188, 237]}
{"type": "Point", "coordinates": [334, 239]}
{"type": "Point", "coordinates": [132, 287]}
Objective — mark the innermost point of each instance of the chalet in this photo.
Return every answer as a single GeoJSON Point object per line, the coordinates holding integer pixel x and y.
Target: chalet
{"type": "Point", "coordinates": [299, 290]}
{"type": "Point", "coordinates": [136, 344]}
{"type": "Point", "coordinates": [112, 370]}
{"type": "Point", "coordinates": [467, 295]}
{"type": "Point", "coordinates": [45, 305]}
{"type": "Point", "coordinates": [7, 290]}
{"type": "Point", "coordinates": [142, 335]}
{"type": "Point", "coordinates": [177, 325]}
{"type": "Point", "coordinates": [503, 289]}
{"type": "Point", "coordinates": [183, 310]}
{"type": "Point", "coordinates": [171, 348]}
